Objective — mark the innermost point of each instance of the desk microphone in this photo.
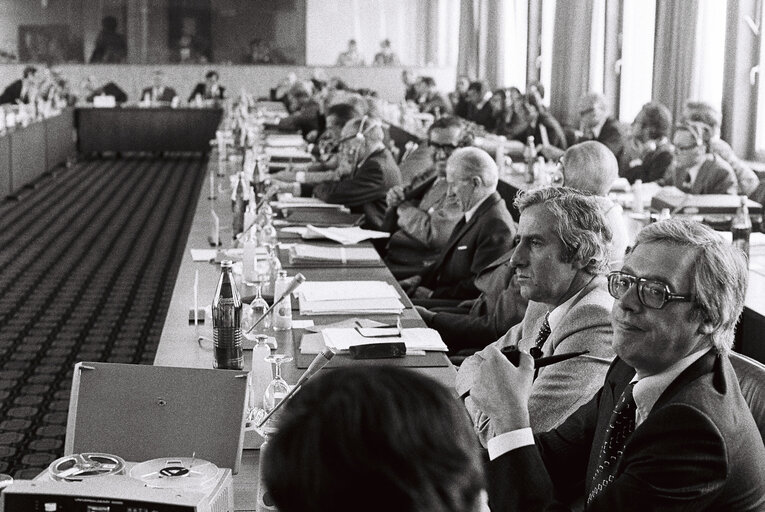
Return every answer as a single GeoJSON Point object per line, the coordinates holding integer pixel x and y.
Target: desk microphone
{"type": "Point", "coordinates": [319, 362]}
{"type": "Point", "coordinates": [514, 356]}
{"type": "Point", "coordinates": [294, 284]}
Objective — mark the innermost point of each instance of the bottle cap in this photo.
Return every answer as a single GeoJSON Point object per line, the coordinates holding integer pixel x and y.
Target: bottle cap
{"type": "Point", "coordinates": [226, 264]}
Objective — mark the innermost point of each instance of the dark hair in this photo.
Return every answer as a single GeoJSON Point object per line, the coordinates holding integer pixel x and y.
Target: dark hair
{"type": "Point", "coordinates": [703, 112]}
{"type": "Point", "coordinates": [109, 23]}
{"type": "Point", "coordinates": [29, 70]}
{"type": "Point", "coordinates": [428, 80]}
{"type": "Point", "coordinates": [343, 112]}
{"type": "Point", "coordinates": [447, 122]}
{"type": "Point", "coordinates": [373, 438]}
{"type": "Point", "coordinates": [211, 74]}
{"type": "Point", "coordinates": [657, 119]}
{"type": "Point", "coordinates": [478, 86]}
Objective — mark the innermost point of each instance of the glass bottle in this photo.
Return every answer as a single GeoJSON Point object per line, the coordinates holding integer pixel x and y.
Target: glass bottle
{"type": "Point", "coordinates": [741, 227]}
{"type": "Point", "coordinates": [260, 375]}
{"type": "Point", "coordinates": [274, 266]}
{"type": "Point", "coordinates": [530, 157]}
{"type": "Point", "coordinates": [239, 205]}
{"type": "Point", "coordinates": [282, 314]}
{"type": "Point", "coordinates": [637, 196]}
{"type": "Point", "coordinates": [250, 259]}
{"type": "Point", "coordinates": [227, 322]}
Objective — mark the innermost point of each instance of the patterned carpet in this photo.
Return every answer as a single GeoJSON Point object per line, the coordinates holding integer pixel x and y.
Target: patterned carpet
{"type": "Point", "coordinates": [88, 261]}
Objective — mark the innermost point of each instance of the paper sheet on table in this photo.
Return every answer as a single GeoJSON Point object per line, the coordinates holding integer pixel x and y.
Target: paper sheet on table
{"type": "Point", "coordinates": [305, 202]}
{"type": "Point", "coordinates": [282, 140]}
{"type": "Point", "coordinates": [351, 307]}
{"type": "Point", "coordinates": [288, 153]}
{"type": "Point", "coordinates": [348, 323]}
{"type": "Point", "coordinates": [203, 254]}
{"type": "Point", "coordinates": [345, 236]}
{"type": "Point", "coordinates": [347, 290]}
{"type": "Point", "coordinates": [308, 253]}
{"type": "Point", "coordinates": [414, 339]}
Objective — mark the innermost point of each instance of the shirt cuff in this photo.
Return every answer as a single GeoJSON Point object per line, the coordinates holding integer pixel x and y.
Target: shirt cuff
{"type": "Point", "coordinates": [296, 189]}
{"type": "Point", "coordinates": [509, 441]}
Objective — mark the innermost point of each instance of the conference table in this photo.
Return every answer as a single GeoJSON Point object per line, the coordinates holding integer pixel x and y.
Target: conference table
{"type": "Point", "coordinates": [178, 344]}
{"type": "Point", "coordinates": [152, 129]}
{"type": "Point", "coordinates": [27, 152]}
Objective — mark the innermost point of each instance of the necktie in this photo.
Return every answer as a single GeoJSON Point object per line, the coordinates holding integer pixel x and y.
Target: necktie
{"type": "Point", "coordinates": [544, 333]}
{"type": "Point", "coordinates": [620, 427]}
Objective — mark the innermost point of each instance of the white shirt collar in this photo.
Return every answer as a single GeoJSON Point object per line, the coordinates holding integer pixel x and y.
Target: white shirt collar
{"type": "Point", "coordinates": [598, 127]}
{"type": "Point", "coordinates": [486, 97]}
{"type": "Point", "coordinates": [469, 214]}
{"type": "Point", "coordinates": [556, 315]}
{"type": "Point", "coordinates": [648, 389]}
{"type": "Point", "coordinates": [693, 172]}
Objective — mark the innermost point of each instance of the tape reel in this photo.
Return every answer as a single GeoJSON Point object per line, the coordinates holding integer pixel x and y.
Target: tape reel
{"type": "Point", "coordinates": [176, 473]}
{"type": "Point", "coordinates": [84, 466]}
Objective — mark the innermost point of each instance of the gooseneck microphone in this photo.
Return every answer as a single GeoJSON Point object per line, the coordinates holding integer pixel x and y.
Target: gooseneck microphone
{"type": "Point", "coordinates": [294, 284]}
{"type": "Point", "coordinates": [319, 362]}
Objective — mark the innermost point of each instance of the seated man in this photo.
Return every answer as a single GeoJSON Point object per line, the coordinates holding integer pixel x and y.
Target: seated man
{"type": "Point", "coordinates": [695, 169]}
{"type": "Point", "coordinates": [210, 89]}
{"type": "Point", "coordinates": [669, 429]}
{"type": "Point", "coordinates": [560, 261]}
{"type": "Point", "coordinates": [648, 153]}
{"type": "Point", "coordinates": [361, 184]}
{"type": "Point", "coordinates": [304, 111]}
{"type": "Point", "coordinates": [158, 92]}
{"type": "Point", "coordinates": [406, 447]}
{"type": "Point", "coordinates": [23, 90]}
{"type": "Point", "coordinates": [587, 167]}
{"type": "Point", "coordinates": [478, 108]}
{"type": "Point", "coordinates": [429, 100]}
{"type": "Point", "coordinates": [703, 112]}
{"type": "Point", "coordinates": [422, 216]}
{"type": "Point", "coordinates": [484, 233]}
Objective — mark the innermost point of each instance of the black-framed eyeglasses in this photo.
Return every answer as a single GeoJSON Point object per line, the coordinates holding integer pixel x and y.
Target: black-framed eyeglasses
{"type": "Point", "coordinates": [442, 150]}
{"type": "Point", "coordinates": [685, 148]}
{"type": "Point", "coordinates": [651, 293]}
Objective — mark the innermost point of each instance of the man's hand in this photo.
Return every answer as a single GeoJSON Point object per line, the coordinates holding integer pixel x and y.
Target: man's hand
{"type": "Point", "coordinates": [410, 283]}
{"type": "Point", "coordinates": [422, 292]}
{"type": "Point", "coordinates": [502, 391]}
{"type": "Point", "coordinates": [287, 175]}
{"type": "Point", "coordinates": [551, 153]}
{"type": "Point", "coordinates": [425, 314]}
{"type": "Point", "coordinates": [395, 196]}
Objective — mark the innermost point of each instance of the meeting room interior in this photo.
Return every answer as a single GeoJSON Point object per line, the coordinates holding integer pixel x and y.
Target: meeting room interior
{"type": "Point", "coordinates": [378, 255]}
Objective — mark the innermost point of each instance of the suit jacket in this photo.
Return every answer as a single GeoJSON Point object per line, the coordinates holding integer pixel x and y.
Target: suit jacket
{"type": "Point", "coordinates": [498, 308]}
{"type": "Point", "coordinates": [611, 135]}
{"type": "Point", "coordinates": [364, 190]}
{"type": "Point", "coordinates": [698, 449]}
{"type": "Point", "coordinates": [435, 101]}
{"type": "Point", "coordinates": [483, 116]}
{"type": "Point", "coordinates": [471, 246]}
{"type": "Point", "coordinates": [201, 89]}
{"type": "Point", "coordinates": [305, 120]}
{"type": "Point", "coordinates": [560, 389]}
{"type": "Point", "coordinates": [167, 95]}
{"type": "Point", "coordinates": [715, 176]}
{"type": "Point", "coordinates": [650, 166]}
{"type": "Point", "coordinates": [12, 92]}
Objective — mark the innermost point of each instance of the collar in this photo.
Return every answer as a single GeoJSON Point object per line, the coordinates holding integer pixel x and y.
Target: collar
{"type": "Point", "coordinates": [598, 128]}
{"type": "Point", "coordinates": [648, 389]}
{"type": "Point", "coordinates": [556, 315]}
{"type": "Point", "coordinates": [693, 172]}
{"type": "Point", "coordinates": [486, 97]}
{"type": "Point", "coordinates": [469, 214]}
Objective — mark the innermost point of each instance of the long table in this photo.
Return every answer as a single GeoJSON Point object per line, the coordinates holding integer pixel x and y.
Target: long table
{"type": "Point", "coordinates": [28, 152]}
{"type": "Point", "coordinates": [178, 344]}
{"type": "Point", "coordinates": [154, 129]}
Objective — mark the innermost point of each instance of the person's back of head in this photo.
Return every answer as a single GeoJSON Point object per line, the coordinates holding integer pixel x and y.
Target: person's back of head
{"type": "Point", "coordinates": [475, 162]}
{"type": "Point", "coordinates": [373, 438]}
{"type": "Point", "coordinates": [341, 113]}
{"type": "Point", "coordinates": [453, 123]}
{"type": "Point", "coordinates": [590, 167]}
{"type": "Point", "coordinates": [479, 87]}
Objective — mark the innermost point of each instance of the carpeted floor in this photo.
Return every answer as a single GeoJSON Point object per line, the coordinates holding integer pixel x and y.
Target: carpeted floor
{"type": "Point", "coordinates": [88, 261]}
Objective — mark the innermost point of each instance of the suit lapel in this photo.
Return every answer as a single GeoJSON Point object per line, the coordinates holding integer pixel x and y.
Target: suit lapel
{"type": "Point", "coordinates": [707, 363]}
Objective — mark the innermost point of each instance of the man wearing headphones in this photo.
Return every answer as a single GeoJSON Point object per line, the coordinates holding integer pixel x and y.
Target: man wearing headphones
{"type": "Point", "coordinates": [366, 172]}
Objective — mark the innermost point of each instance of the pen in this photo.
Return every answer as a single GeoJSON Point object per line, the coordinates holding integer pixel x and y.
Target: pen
{"type": "Point", "coordinates": [514, 356]}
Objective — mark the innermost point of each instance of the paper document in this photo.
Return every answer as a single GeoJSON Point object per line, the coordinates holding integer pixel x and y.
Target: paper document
{"type": "Point", "coordinates": [414, 339]}
{"type": "Point", "coordinates": [203, 254]}
{"type": "Point", "coordinates": [351, 307]}
{"type": "Point", "coordinates": [285, 140]}
{"type": "Point", "coordinates": [347, 290]}
{"type": "Point", "coordinates": [345, 236]}
{"type": "Point", "coordinates": [317, 253]}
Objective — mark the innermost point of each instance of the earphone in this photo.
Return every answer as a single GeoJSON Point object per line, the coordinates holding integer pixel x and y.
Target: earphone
{"type": "Point", "coordinates": [370, 126]}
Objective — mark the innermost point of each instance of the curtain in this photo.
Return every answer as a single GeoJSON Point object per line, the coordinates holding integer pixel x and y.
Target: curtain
{"type": "Point", "coordinates": [739, 94]}
{"type": "Point", "coordinates": [674, 53]}
{"type": "Point", "coordinates": [482, 41]}
{"type": "Point", "coordinates": [571, 58]}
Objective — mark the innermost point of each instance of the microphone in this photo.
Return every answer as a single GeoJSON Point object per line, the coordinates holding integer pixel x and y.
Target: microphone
{"type": "Point", "coordinates": [319, 362]}
{"type": "Point", "coordinates": [514, 356]}
{"type": "Point", "coordinates": [294, 284]}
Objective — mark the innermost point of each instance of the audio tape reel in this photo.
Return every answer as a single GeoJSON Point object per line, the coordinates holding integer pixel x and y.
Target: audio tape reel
{"type": "Point", "coordinates": [102, 482]}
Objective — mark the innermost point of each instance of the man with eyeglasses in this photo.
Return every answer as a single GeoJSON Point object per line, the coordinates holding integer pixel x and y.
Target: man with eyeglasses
{"type": "Point", "coordinates": [421, 216]}
{"type": "Point", "coordinates": [695, 170]}
{"type": "Point", "coordinates": [669, 429]}
{"type": "Point", "coordinates": [484, 232]}
{"type": "Point", "coordinates": [560, 259]}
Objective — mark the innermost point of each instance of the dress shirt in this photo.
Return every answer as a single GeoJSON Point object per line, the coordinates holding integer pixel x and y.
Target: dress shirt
{"type": "Point", "coordinates": [646, 392]}
{"type": "Point", "coordinates": [598, 128]}
{"type": "Point", "coordinates": [648, 389]}
{"type": "Point", "coordinates": [483, 101]}
{"type": "Point", "coordinates": [554, 317]}
{"type": "Point", "coordinates": [693, 172]}
{"type": "Point", "coordinates": [469, 214]}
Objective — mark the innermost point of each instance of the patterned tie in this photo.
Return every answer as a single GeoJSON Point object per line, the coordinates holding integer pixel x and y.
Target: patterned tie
{"type": "Point", "coordinates": [544, 333]}
{"type": "Point", "coordinates": [620, 427]}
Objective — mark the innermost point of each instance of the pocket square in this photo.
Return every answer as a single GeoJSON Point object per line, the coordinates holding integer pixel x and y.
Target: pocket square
{"type": "Point", "coordinates": [462, 247]}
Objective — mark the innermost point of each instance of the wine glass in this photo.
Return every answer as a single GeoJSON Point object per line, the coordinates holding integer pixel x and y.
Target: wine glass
{"type": "Point", "coordinates": [275, 392]}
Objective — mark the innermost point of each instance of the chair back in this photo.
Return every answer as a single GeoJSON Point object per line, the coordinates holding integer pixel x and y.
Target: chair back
{"type": "Point", "coordinates": [751, 379]}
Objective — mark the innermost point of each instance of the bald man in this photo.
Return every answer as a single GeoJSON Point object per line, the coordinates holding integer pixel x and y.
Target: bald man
{"type": "Point", "coordinates": [485, 232]}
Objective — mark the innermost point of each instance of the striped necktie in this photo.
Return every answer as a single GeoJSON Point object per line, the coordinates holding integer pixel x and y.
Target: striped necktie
{"type": "Point", "coordinates": [620, 427]}
{"type": "Point", "coordinates": [544, 333]}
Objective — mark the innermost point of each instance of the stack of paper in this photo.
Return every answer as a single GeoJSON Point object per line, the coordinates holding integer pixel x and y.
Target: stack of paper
{"type": "Point", "coordinates": [291, 203]}
{"type": "Point", "coordinates": [289, 153]}
{"type": "Point", "coordinates": [304, 253]}
{"type": "Point", "coordinates": [285, 140]}
{"type": "Point", "coordinates": [348, 297]}
{"type": "Point", "coordinates": [414, 339]}
{"type": "Point", "coordinates": [345, 236]}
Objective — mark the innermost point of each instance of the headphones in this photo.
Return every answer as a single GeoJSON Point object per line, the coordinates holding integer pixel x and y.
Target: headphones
{"type": "Point", "coordinates": [370, 126]}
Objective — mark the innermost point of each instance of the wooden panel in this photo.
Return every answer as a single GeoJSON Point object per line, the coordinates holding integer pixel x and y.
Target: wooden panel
{"type": "Point", "coordinates": [5, 165]}
{"type": "Point", "coordinates": [59, 138]}
{"type": "Point", "coordinates": [27, 155]}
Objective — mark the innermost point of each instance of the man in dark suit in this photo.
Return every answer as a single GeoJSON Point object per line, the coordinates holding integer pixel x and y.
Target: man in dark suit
{"type": "Point", "coordinates": [484, 233]}
{"type": "Point", "coordinates": [158, 92]}
{"type": "Point", "coordinates": [22, 90]}
{"type": "Point", "coordinates": [429, 99]}
{"type": "Point", "coordinates": [365, 173]}
{"type": "Point", "coordinates": [669, 429]}
{"type": "Point", "coordinates": [210, 89]}
{"type": "Point", "coordinates": [304, 111]}
{"type": "Point", "coordinates": [478, 105]}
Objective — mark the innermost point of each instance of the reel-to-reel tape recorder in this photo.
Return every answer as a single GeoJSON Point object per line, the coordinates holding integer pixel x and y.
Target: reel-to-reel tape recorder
{"type": "Point", "coordinates": [100, 482]}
